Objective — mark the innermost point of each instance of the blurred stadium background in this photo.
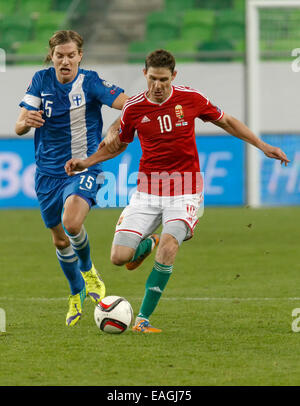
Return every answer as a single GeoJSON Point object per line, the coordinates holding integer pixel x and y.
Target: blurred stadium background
{"type": "Point", "coordinates": [208, 38]}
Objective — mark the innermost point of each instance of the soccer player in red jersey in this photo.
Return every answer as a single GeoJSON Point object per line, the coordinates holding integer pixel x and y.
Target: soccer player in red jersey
{"type": "Point", "coordinates": [169, 183]}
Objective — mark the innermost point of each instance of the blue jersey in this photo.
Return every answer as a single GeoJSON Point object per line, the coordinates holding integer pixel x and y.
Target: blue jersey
{"type": "Point", "coordinates": [72, 114]}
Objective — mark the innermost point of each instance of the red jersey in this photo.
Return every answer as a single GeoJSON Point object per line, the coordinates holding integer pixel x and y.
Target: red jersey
{"type": "Point", "coordinates": [170, 161]}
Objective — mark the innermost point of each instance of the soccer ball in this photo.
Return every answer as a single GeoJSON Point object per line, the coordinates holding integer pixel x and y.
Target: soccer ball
{"type": "Point", "coordinates": [113, 314]}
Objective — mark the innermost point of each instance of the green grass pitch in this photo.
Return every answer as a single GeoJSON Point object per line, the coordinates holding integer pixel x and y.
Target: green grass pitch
{"type": "Point", "coordinates": [226, 313]}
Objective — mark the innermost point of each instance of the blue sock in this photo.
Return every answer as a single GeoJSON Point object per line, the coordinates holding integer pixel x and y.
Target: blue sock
{"type": "Point", "coordinates": [81, 246]}
{"type": "Point", "coordinates": [69, 264]}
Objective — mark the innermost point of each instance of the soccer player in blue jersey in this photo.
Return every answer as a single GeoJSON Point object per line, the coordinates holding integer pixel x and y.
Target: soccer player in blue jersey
{"type": "Point", "coordinates": [63, 103]}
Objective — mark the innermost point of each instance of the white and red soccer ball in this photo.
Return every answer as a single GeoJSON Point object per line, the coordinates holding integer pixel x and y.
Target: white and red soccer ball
{"type": "Point", "coordinates": [113, 314]}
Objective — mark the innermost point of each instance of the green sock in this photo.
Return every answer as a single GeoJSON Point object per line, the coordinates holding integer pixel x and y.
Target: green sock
{"type": "Point", "coordinates": [155, 285]}
{"type": "Point", "coordinates": [144, 247]}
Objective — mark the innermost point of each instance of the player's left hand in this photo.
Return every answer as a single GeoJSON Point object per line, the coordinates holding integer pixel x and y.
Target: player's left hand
{"type": "Point", "coordinates": [276, 153]}
{"type": "Point", "coordinates": [74, 165]}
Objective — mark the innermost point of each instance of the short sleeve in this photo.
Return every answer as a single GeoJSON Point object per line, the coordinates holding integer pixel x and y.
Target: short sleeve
{"type": "Point", "coordinates": [103, 91]}
{"type": "Point", "coordinates": [32, 99]}
{"type": "Point", "coordinates": [206, 110]}
{"type": "Point", "coordinates": [127, 129]}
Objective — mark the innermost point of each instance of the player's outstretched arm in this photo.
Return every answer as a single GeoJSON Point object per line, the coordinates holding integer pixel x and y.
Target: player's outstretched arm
{"type": "Point", "coordinates": [75, 164]}
{"type": "Point", "coordinates": [28, 119]}
{"type": "Point", "coordinates": [235, 127]}
{"type": "Point", "coordinates": [112, 139]}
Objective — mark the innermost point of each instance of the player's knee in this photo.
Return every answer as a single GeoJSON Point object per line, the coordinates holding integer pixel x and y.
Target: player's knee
{"type": "Point", "coordinates": [168, 245]}
{"type": "Point", "coordinates": [121, 255]}
{"type": "Point", "coordinates": [61, 243]}
{"type": "Point", "coordinates": [73, 229]}
{"type": "Point", "coordinates": [116, 260]}
{"type": "Point", "coordinates": [72, 226]}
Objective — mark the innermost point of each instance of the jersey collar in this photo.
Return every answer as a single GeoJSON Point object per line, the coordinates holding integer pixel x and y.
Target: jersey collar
{"type": "Point", "coordinates": [159, 104]}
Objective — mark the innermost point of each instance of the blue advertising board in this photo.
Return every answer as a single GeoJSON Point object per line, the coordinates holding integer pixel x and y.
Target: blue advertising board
{"type": "Point", "coordinates": [17, 169]}
{"type": "Point", "coordinates": [280, 185]}
{"type": "Point", "coordinates": [221, 161]}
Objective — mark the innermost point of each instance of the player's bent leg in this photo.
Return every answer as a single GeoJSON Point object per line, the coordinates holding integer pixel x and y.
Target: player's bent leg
{"type": "Point", "coordinates": [143, 250]}
{"type": "Point", "coordinates": [67, 259]}
{"type": "Point", "coordinates": [74, 214]}
{"type": "Point", "coordinates": [121, 254]}
{"type": "Point", "coordinates": [128, 248]}
{"type": "Point", "coordinates": [173, 234]}
{"type": "Point", "coordinates": [75, 211]}
{"type": "Point", "coordinates": [69, 264]}
{"type": "Point", "coordinates": [124, 246]}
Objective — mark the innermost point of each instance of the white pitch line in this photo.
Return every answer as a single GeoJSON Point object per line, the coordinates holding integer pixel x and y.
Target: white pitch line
{"type": "Point", "coordinates": [203, 299]}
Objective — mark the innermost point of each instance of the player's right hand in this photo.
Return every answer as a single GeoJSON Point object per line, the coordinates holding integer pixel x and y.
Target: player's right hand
{"type": "Point", "coordinates": [74, 165]}
{"type": "Point", "coordinates": [34, 119]}
{"type": "Point", "coordinates": [111, 141]}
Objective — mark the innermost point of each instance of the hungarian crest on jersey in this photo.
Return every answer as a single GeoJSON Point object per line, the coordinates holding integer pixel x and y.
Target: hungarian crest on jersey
{"type": "Point", "coordinates": [179, 111]}
{"type": "Point", "coordinates": [180, 115]}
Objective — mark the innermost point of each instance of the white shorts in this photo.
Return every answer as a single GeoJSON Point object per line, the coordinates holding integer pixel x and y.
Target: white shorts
{"type": "Point", "coordinates": [145, 213]}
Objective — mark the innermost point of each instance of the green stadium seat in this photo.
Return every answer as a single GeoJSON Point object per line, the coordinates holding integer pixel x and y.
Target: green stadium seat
{"type": "Point", "coordinates": [239, 5]}
{"type": "Point", "coordinates": [214, 4]}
{"type": "Point", "coordinates": [7, 7]}
{"type": "Point", "coordinates": [201, 33]}
{"type": "Point", "coordinates": [30, 6]}
{"type": "Point", "coordinates": [162, 26]}
{"type": "Point", "coordinates": [33, 48]}
{"type": "Point", "coordinates": [15, 28]}
{"type": "Point", "coordinates": [61, 5]}
{"type": "Point", "coordinates": [141, 49]}
{"type": "Point", "coordinates": [51, 19]}
{"type": "Point", "coordinates": [240, 46]}
{"type": "Point", "coordinates": [180, 47]}
{"type": "Point", "coordinates": [8, 46]}
{"type": "Point", "coordinates": [198, 25]}
{"type": "Point", "coordinates": [179, 5]}
{"type": "Point", "coordinates": [221, 45]}
{"type": "Point", "coordinates": [49, 23]}
{"type": "Point", "coordinates": [234, 34]}
{"type": "Point", "coordinates": [230, 25]}
{"type": "Point", "coordinates": [199, 16]}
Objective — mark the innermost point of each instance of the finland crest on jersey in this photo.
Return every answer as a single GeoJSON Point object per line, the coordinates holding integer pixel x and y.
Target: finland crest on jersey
{"type": "Point", "coordinates": [72, 113]}
{"type": "Point", "coordinates": [77, 99]}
